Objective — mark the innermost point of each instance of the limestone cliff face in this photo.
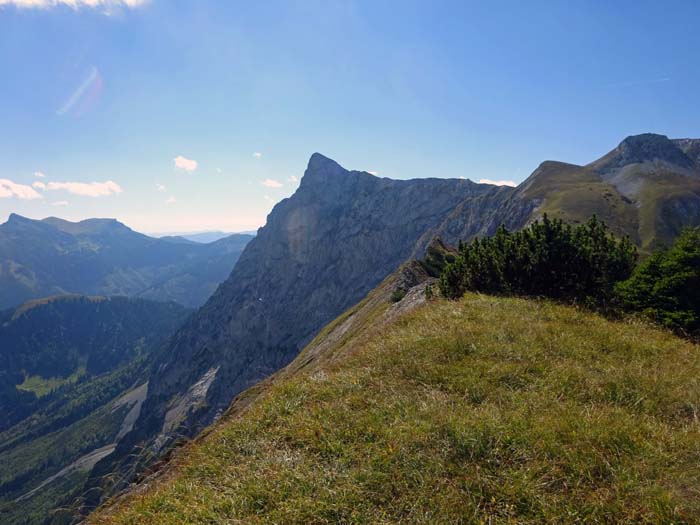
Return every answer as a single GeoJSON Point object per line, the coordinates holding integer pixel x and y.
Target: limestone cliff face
{"type": "Point", "coordinates": [321, 251]}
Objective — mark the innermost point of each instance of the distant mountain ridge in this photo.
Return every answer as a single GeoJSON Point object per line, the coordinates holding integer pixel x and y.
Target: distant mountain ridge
{"type": "Point", "coordinates": [203, 237]}
{"type": "Point", "coordinates": [104, 257]}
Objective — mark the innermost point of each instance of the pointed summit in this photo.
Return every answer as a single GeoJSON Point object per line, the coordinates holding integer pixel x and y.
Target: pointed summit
{"type": "Point", "coordinates": [16, 218]}
{"type": "Point", "coordinates": [319, 161]}
{"type": "Point", "coordinates": [322, 171]}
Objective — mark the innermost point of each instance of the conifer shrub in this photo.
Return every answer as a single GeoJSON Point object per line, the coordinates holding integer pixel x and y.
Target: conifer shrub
{"type": "Point", "coordinates": [666, 286]}
{"type": "Point", "coordinates": [548, 258]}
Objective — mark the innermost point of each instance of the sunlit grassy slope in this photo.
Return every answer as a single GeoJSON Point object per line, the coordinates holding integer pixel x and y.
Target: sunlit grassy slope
{"type": "Point", "coordinates": [663, 202]}
{"type": "Point", "coordinates": [574, 193]}
{"type": "Point", "coordinates": [486, 410]}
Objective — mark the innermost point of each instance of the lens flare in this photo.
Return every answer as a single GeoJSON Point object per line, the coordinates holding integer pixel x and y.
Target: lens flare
{"type": "Point", "coordinates": [85, 97]}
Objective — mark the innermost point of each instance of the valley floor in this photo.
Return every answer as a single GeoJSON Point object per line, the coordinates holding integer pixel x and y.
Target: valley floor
{"type": "Point", "coordinates": [484, 410]}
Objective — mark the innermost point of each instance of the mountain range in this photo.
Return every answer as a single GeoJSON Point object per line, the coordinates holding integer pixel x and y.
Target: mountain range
{"type": "Point", "coordinates": [40, 258]}
{"type": "Point", "coordinates": [324, 248]}
{"type": "Point", "coordinates": [335, 240]}
{"type": "Point", "coordinates": [203, 237]}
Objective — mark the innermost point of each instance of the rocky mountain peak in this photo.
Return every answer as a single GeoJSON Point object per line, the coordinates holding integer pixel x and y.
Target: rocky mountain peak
{"type": "Point", "coordinates": [328, 176]}
{"type": "Point", "coordinates": [650, 147]}
{"type": "Point", "coordinates": [644, 148]}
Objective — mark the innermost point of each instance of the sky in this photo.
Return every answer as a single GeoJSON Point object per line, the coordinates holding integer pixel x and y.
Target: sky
{"type": "Point", "coordinates": [190, 115]}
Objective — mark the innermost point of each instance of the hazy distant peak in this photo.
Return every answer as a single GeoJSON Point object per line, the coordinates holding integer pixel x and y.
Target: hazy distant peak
{"type": "Point", "coordinates": [87, 226]}
{"type": "Point", "coordinates": [16, 218]}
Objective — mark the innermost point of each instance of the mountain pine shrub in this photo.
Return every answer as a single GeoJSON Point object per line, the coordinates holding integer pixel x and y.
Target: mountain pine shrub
{"type": "Point", "coordinates": [549, 258]}
{"type": "Point", "coordinates": [666, 286]}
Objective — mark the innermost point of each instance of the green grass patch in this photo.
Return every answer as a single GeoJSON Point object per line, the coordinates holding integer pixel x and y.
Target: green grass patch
{"type": "Point", "coordinates": [483, 410]}
{"type": "Point", "coordinates": [42, 386]}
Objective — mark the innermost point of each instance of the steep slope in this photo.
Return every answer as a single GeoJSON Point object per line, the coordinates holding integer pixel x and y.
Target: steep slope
{"type": "Point", "coordinates": [73, 372]}
{"type": "Point", "coordinates": [104, 257]}
{"type": "Point", "coordinates": [486, 410]}
{"type": "Point", "coordinates": [54, 342]}
{"type": "Point", "coordinates": [320, 252]}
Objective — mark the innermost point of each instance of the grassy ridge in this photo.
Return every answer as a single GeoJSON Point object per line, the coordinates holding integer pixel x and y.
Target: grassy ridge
{"type": "Point", "coordinates": [485, 410]}
{"type": "Point", "coordinates": [574, 193]}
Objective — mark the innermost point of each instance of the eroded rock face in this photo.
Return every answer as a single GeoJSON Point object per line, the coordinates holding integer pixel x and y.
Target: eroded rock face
{"type": "Point", "coordinates": [321, 251]}
{"type": "Point", "coordinates": [691, 147]}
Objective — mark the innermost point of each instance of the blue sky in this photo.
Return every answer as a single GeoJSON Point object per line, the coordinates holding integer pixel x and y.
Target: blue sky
{"type": "Point", "coordinates": [100, 97]}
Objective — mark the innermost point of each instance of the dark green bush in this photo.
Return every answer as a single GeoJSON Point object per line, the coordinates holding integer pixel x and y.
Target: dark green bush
{"type": "Point", "coordinates": [397, 295]}
{"type": "Point", "coordinates": [666, 286]}
{"type": "Point", "coordinates": [549, 258]}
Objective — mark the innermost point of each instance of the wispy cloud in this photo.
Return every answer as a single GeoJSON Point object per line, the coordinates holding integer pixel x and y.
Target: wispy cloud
{"type": "Point", "coordinates": [171, 200]}
{"type": "Point", "coordinates": [59, 203]}
{"type": "Point", "coordinates": [10, 189]}
{"type": "Point", "coordinates": [160, 187]}
{"type": "Point", "coordinates": [257, 155]}
{"type": "Point", "coordinates": [87, 189]}
{"type": "Point", "coordinates": [498, 182]}
{"type": "Point", "coordinates": [293, 179]}
{"type": "Point", "coordinates": [185, 164]}
{"type": "Point", "coordinates": [75, 4]}
{"type": "Point", "coordinates": [271, 183]}
{"type": "Point", "coordinates": [39, 185]}
{"type": "Point", "coordinates": [39, 174]}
